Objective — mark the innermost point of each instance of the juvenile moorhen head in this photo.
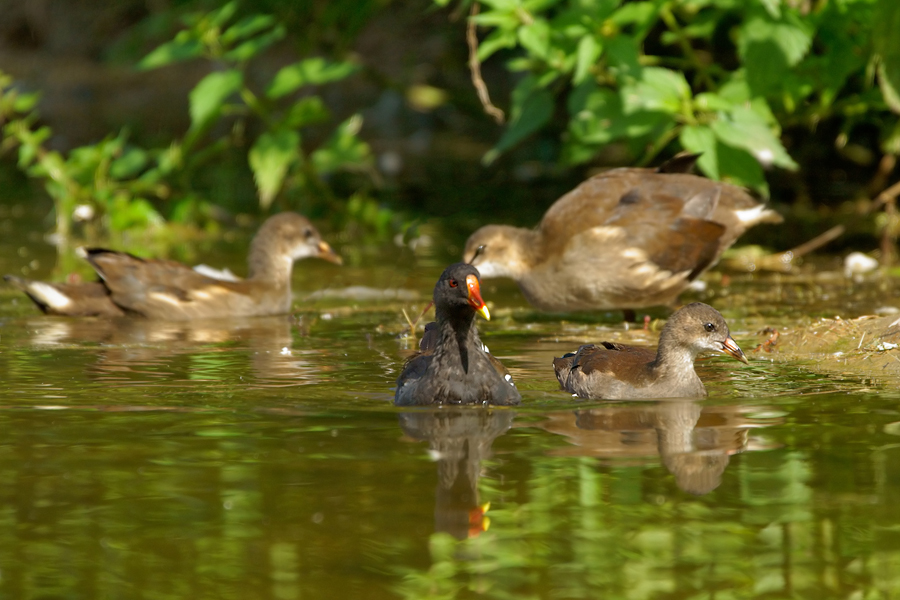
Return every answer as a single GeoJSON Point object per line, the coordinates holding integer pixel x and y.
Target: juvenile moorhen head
{"type": "Point", "coordinates": [453, 367]}
{"type": "Point", "coordinates": [627, 238]}
{"type": "Point", "coordinates": [163, 289]}
{"type": "Point", "coordinates": [617, 371]}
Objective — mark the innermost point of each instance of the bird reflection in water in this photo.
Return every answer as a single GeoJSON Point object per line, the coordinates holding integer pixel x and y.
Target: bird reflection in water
{"type": "Point", "coordinates": [458, 440]}
{"type": "Point", "coordinates": [695, 442]}
{"type": "Point", "coordinates": [143, 352]}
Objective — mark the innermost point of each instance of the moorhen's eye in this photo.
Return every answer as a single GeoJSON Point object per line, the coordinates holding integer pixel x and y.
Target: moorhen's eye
{"type": "Point", "coordinates": [709, 327]}
{"type": "Point", "coordinates": [478, 252]}
{"type": "Point", "coordinates": [453, 283]}
{"type": "Point", "coordinates": [307, 233]}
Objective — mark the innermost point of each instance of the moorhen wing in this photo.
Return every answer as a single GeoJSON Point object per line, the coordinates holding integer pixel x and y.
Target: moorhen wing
{"type": "Point", "coordinates": [616, 371]}
{"type": "Point", "coordinates": [452, 366]}
{"type": "Point", "coordinates": [627, 238]}
{"type": "Point", "coordinates": [164, 289]}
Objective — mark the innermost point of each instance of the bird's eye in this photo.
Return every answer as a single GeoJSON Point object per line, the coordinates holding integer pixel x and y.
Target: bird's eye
{"type": "Point", "coordinates": [478, 252]}
{"type": "Point", "coordinates": [308, 233]}
{"type": "Point", "coordinates": [709, 327]}
{"type": "Point", "coordinates": [453, 283]}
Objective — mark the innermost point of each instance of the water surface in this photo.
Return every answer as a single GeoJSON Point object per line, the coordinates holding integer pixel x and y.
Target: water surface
{"type": "Point", "coordinates": [262, 458]}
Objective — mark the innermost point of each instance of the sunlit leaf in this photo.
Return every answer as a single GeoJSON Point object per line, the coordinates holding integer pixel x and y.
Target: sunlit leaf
{"type": "Point", "coordinates": [312, 71]}
{"type": "Point", "coordinates": [589, 50]}
{"type": "Point", "coordinates": [221, 16]}
{"type": "Point", "coordinates": [343, 150]}
{"type": "Point", "coordinates": [270, 158]}
{"type": "Point", "coordinates": [497, 39]}
{"type": "Point", "coordinates": [658, 89]}
{"type": "Point", "coordinates": [535, 38]}
{"type": "Point", "coordinates": [770, 48]}
{"type": "Point", "coordinates": [211, 93]}
{"type": "Point", "coordinates": [700, 138]}
{"type": "Point", "coordinates": [745, 128]}
{"type": "Point", "coordinates": [246, 27]}
{"type": "Point", "coordinates": [254, 46]}
{"type": "Point", "coordinates": [183, 47]}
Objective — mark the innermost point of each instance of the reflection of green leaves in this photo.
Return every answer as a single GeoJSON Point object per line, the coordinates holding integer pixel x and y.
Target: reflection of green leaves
{"type": "Point", "coordinates": [270, 158]}
{"type": "Point", "coordinates": [312, 71]}
{"type": "Point", "coordinates": [887, 26]}
{"type": "Point", "coordinates": [210, 94]}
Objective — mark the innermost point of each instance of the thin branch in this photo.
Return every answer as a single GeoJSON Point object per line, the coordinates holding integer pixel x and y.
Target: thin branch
{"type": "Point", "coordinates": [475, 67]}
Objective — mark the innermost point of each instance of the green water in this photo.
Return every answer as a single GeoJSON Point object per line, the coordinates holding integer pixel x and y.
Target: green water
{"type": "Point", "coordinates": [263, 459]}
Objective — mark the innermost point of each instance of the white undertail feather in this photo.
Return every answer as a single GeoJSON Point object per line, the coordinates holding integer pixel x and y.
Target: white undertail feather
{"type": "Point", "coordinates": [49, 295]}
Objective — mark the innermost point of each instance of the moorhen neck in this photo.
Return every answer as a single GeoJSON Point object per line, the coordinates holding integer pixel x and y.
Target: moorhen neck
{"type": "Point", "coordinates": [616, 371]}
{"type": "Point", "coordinates": [628, 238]}
{"type": "Point", "coordinates": [164, 289]}
{"type": "Point", "coordinates": [453, 367]}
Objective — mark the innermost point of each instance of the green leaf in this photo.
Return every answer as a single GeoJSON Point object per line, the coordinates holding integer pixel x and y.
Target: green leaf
{"type": "Point", "coordinates": [132, 162]}
{"type": "Point", "coordinates": [623, 54]}
{"type": "Point", "coordinates": [770, 48]}
{"type": "Point", "coordinates": [884, 38]}
{"type": "Point", "coordinates": [270, 158]}
{"type": "Point", "coordinates": [588, 53]}
{"type": "Point", "coordinates": [535, 38]}
{"type": "Point", "coordinates": [658, 90]}
{"type": "Point", "coordinates": [497, 39]}
{"type": "Point", "coordinates": [700, 138]}
{"type": "Point", "coordinates": [221, 16]}
{"type": "Point", "coordinates": [745, 128]}
{"type": "Point", "coordinates": [312, 71]}
{"type": "Point", "coordinates": [23, 103]}
{"type": "Point", "coordinates": [247, 27]}
{"type": "Point", "coordinates": [712, 102]}
{"type": "Point", "coordinates": [343, 150]}
{"type": "Point", "coordinates": [183, 47]}
{"type": "Point", "coordinates": [210, 94]}
{"type": "Point", "coordinates": [254, 46]}
{"type": "Point", "coordinates": [532, 107]}
{"type": "Point", "coordinates": [305, 111]}
{"type": "Point", "coordinates": [596, 115]}
{"type": "Point", "coordinates": [739, 167]}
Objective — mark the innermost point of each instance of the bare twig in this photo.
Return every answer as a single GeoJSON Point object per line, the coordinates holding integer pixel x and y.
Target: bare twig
{"type": "Point", "coordinates": [475, 67]}
{"type": "Point", "coordinates": [818, 241]}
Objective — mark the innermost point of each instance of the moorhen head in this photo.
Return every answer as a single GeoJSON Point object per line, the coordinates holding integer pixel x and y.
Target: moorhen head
{"type": "Point", "coordinates": [164, 289]}
{"type": "Point", "coordinates": [617, 371]}
{"type": "Point", "coordinates": [453, 366]}
{"type": "Point", "coordinates": [627, 238]}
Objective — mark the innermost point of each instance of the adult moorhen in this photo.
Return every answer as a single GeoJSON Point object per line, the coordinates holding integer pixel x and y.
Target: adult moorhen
{"type": "Point", "coordinates": [616, 371]}
{"type": "Point", "coordinates": [627, 238]}
{"type": "Point", "coordinates": [164, 289]}
{"type": "Point", "coordinates": [452, 366]}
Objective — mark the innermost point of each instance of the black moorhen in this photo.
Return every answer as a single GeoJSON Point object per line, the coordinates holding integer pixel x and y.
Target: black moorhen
{"type": "Point", "coordinates": [164, 289]}
{"type": "Point", "coordinates": [617, 371]}
{"type": "Point", "coordinates": [452, 367]}
{"type": "Point", "coordinates": [627, 238]}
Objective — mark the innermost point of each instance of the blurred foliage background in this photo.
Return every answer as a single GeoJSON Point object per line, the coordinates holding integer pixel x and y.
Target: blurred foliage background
{"type": "Point", "coordinates": [146, 121]}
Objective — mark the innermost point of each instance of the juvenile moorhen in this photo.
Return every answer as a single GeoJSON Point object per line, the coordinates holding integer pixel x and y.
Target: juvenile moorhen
{"type": "Point", "coordinates": [616, 371]}
{"type": "Point", "coordinates": [164, 289]}
{"type": "Point", "coordinates": [452, 366]}
{"type": "Point", "coordinates": [627, 238]}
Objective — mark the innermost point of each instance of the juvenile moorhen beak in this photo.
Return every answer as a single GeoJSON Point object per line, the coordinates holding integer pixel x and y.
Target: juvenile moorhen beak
{"type": "Point", "coordinates": [327, 252]}
{"type": "Point", "coordinates": [730, 347]}
{"type": "Point", "coordinates": [475, 300]}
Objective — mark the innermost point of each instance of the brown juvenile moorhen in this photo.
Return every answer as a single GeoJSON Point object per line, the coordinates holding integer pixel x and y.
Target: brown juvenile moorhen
{"type": "Point", "coordinates": [616, 371]}
{"type": "Point", "coordinates": [627, 238]}
{"type": "Point", "coordinates": [164, 289]}
{"type": "Point", "coordinates": [452, 367]}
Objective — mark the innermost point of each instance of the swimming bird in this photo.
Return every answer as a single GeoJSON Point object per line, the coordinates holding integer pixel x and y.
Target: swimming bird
{"type": "Point", "coordinates": [452, 366]}
{"type": "Point", "coordinates": [616, 371]}
{"type": "Point", "coordinates": [165, 289]}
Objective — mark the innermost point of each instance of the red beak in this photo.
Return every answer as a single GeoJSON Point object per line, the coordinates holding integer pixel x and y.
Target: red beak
{"type": "Point", "coordinates": [475, 300]}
